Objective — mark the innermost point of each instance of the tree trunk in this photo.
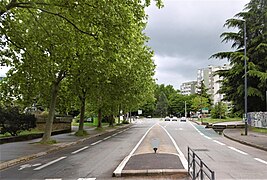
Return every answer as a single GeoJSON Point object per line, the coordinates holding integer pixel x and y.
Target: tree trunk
{"type": "Point", "coordinates": [81, 122]}
{"type": "Point", "coordinates": [99, 118]}
{"type": "Point", "coordinates": [111, 120]}
{"type": "Point", "coordinates": [119, 120]}
{"type": "Point", "coordinates": [49, 122]}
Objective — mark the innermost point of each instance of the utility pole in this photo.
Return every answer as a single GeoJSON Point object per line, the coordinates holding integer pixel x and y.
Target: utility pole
{"type": "Point", "coordinates": [185, 113]}
{"type": "Point", "coordinates": [245, 64]}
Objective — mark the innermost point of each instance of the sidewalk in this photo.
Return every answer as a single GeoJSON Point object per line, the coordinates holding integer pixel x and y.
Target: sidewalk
{"type": "Point", "coordinates": [254, 139]}
{"type": "Point", "coordinates": [16, 152]}
{"type": "Point", "coordinates": [257, 140]}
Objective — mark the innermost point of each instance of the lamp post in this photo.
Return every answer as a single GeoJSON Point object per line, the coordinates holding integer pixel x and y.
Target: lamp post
{"type": "Point", "coordinates": [246, 93]}
{"type": "Point", "coordinates": [185, 113]}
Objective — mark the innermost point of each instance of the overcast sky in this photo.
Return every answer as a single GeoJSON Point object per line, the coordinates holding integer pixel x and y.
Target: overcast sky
{"type": "Point", "coordinates": [185, 33]}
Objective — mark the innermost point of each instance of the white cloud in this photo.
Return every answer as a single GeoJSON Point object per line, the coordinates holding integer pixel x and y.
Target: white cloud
{"type": "Point", "coordinates": [185, 33]}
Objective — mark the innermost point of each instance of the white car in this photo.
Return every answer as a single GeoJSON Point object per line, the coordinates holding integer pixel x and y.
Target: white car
{"type": "Point", "coordinates": [183, 119]}
{"type": "Point", "coordinates": [174, 118]}
{"type": "Point", "coordinates": [167, 118]}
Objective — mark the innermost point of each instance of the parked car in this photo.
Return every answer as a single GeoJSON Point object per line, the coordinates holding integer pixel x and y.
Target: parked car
{"type": "Point", "coordinates": [183, 119]}
{"type": "Point", "coordinates": [174, 118]}
{"type": "Point", "coordinates": [167, 118]}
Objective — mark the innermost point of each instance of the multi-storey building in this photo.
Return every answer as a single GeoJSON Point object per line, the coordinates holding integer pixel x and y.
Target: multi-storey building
{"type": "Point", "coordinates": [188, 88]}
{"type": "Point", "coordinates": [211, 80]}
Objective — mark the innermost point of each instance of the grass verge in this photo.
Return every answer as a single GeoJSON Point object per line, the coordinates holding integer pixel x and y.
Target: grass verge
{"type": "Point", "coordinates": [212, 121]}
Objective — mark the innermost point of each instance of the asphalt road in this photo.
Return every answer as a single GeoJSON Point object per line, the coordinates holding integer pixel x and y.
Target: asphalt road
{"type": "Point", "coordinates": [229, 159]}
{"type": "Point", "coordinates": [98, 157]}
{"type": "Point", "coordinates": [95, 158]}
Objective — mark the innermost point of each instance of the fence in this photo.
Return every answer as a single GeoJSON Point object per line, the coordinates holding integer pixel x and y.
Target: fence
{"type": "Point", "coordinates": [197, 169]}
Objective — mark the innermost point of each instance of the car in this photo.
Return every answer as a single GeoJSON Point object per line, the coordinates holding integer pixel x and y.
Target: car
{"type": "Point", "coordinates": [149, 116]}
{"type": "Point", "coordinates": [174, 118]}
{"type": "Point", "coordinates": [183, 119]}
{"type": "Point", "coordinates": [167, 118]}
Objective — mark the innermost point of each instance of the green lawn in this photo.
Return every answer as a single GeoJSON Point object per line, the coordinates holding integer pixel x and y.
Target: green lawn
{"type": "Point", "coordinates": [88, 124]}
{"type": "Point", "coordinates": [33, 131]}
{"type": "Point", "coordinates": [260, 130]}
{"type": "Point", "coordinates": [211, 120]}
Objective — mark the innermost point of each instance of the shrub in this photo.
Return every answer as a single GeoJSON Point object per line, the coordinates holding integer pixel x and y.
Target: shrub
{"type": "Point", "coordinates": [13, 122]}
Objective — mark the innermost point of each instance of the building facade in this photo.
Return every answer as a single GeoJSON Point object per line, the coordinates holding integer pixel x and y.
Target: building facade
{"type": "Point", "coordinates": [189, 88]}
{"type": "Point", "coordinates": [211, 81]}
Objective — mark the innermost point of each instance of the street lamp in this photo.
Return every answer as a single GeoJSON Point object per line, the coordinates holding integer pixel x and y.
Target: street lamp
{"type": "Point", "coordinates": [185, 113]}
{"type": "Point", "coordinates": [246, 93]}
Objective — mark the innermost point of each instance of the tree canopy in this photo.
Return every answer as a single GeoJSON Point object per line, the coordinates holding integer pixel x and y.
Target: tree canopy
{"type": "Point", "coordinates": [97, 48]}
{"type": "Point", "coordinates": [255, 18]}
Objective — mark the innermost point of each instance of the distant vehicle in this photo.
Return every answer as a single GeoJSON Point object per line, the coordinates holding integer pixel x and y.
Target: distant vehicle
{"type": "Point", "coordinates": [167, 118]}
{"type": "Point", "coordinates": [174, 118]}
{"type": "Point", "coordinates": [183, 119]}
{"type": "Point", "coordinates": [149, 116]}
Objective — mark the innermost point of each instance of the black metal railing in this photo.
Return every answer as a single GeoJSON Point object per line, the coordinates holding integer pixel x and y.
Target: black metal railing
{"type": "Point", "coordinates": [197, 169]}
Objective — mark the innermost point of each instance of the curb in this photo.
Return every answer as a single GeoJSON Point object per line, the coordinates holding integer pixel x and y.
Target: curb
{"type": "Point", "coordinates": [16, 161]}
{"type": "Point", "coordinates": [151, 172]}
{"type": "Point", "coordinates": [244, 142]}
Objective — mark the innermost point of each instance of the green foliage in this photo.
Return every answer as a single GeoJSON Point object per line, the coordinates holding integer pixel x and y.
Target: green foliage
{"type": "Point", "coordinates": [14, 122]}
{"type": "Point", "coordinates": [256, 38]}
{"type": "Point", "coordinates": [219, 110]}
{"type": "Point", "coordinates": [162, 105]}
{"type": "Point", "coordinates": [198, 103]}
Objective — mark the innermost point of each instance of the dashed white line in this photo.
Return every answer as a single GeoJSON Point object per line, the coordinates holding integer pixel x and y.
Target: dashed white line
{"type": "Point", "coordinates": [52, 162]}
{"type": "Point", "coordinates": [107, 138]}
{"type": "Point", "coordinates": [218, 142]}
{"type": "Point", "coordinates": [86, 179]}
{"type": "Point", "coordinates": [96, 142]}
{"type": "Point", "coordinates": [237, 150]}
{"type": "Point", "coordinates": [207, 137]}
{"type": "Point", "coordinates": [74, 152]}
{"type": "Point", "coordinates": [260, 160]}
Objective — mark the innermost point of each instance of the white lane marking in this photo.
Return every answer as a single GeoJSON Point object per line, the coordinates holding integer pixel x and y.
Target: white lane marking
{"type": "Point", "coordinates": [181, 155]}
{"type": "Point", "coordinates": [74, 152]}
{"type": "Point", "coordinates": [53, 179]}
{"type": "Point", "coordinates": [118, 170]}
{"type": "Point", "coordinates": [28, 166]}
{"type": "Point", "coordinates": [86, 179]}
{"type": "Point", "coordinates": [207, 137]}
{"type": "Point", "coordinates": [218, 142]}
{"type": "Point", "coordinates": [260, 160]}
{"type": "Point", "coordinates": [48, 164]}
{"type": "Point", "coordinates": [237, 150]}
{"type": "Point", "coordinates": [107, 138]}
{"type": "Point", "coordinates": [201, 133]}
{"type": "Point", "coordinates": [96, 142]}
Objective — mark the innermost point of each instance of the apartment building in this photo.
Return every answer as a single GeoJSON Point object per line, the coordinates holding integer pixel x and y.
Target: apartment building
{"type": "Point", "coordinates": [188, 88]}
{"type": "Point", "coordinates": [211, 81]}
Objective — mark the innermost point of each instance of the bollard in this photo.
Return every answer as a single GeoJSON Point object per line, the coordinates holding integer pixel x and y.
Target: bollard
{"type": "Point", "coordinates": [155, 144]}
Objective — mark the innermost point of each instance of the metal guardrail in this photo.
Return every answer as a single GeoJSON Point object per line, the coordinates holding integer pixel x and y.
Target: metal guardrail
{"type": "Point", "coordinates": [197, 169]}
